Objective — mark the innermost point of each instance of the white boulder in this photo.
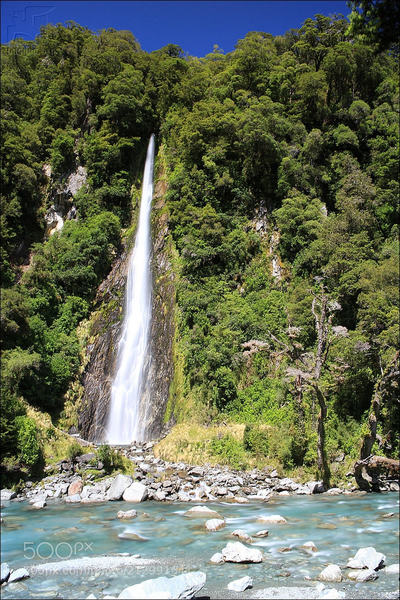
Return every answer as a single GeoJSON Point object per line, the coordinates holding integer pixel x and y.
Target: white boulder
{"type": "Point", "coordinates": [331, 573]}
{"type": "Point", "coordinates": [238, 553]}
{"type": "Point", "coordinates": [262, 533]}
{"type": "Point", "coordinates": [39, 504]}
{"type": "Point", "coordinates": [271, 519]}
{"type": "Point", "coordinates": [5, 572]}
{"type": "Point", "coordinates": [367, 558]}
{"type": "Point", "coordinates": [310, 546]}
{"type": "Point", "coordinates": [361, 575]}
{"type": "Point", "coordinates": [118, 487]}
{"type": "Point", "coordinates": [181, 586]}
{"type": "Point", "coordinates": [126, 514]}
{"type": "Point", "coordinates": [217, 558]}
{"type": "Point", "coordinates": [214, 524]}
{"type": "Point", "coordinates": [7, 494]}
{"type": "Point", "coordinates": [74, 498]}
{"type": "Point", "coordinates": [17, 575]}
{"type": "Point", "coordinates": [202, 511]}
{"type": "Point", "coordinates": [242, 536]}
{"type": "Point", "coordinates": [392, 569]}
{"type": "Point", "coordinates": [240, 585]}
{"type": "Point", "coordinates": [137, 492]}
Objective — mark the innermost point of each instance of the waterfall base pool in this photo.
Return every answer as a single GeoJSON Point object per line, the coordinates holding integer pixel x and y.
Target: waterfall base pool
{"type": "Point", "coordinates": [337, 525]}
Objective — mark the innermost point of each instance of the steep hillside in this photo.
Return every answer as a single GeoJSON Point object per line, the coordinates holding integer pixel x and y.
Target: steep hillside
{"type": "Point", "coordinates": [275, 244]}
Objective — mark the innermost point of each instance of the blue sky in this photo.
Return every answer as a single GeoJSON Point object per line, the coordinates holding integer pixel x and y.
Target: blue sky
{"type": "Point", "coordinates": [193, 25]}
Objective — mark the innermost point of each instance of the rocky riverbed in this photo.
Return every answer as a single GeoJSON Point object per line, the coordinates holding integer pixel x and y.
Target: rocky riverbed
{"type": "Point", "coordinates": [159, 480]}
{"type": "Point", "coordinates": [314, 546]}
{"type": "Point", "coordinates": [237, 534]}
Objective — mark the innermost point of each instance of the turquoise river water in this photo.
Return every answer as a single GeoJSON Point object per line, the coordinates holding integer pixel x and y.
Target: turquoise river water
{"type": "Point", "coordinates": [338, 526]}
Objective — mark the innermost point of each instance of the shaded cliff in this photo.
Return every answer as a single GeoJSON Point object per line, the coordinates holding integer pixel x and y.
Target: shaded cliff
{"type": "Point", "coordinates": [105, 331]}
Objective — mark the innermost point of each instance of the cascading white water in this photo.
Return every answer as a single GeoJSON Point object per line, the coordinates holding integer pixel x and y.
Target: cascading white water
{"type": "Point", "coordinates": [123, 425]}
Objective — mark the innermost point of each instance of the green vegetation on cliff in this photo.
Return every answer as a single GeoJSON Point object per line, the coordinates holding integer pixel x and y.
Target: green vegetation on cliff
{"type": "Point", "coordinates": [281, 162]}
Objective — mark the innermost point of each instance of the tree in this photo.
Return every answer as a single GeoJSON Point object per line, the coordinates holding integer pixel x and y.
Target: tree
{"type": "Point", "coordinates": [376, 21]}
{"type": "Point", "coordinates": [308, 368]}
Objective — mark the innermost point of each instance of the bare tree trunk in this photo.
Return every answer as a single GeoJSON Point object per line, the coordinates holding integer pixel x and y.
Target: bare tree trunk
{"type": "Point", "coordinates": [391, 372]}
{"type": "Point", "coordinates": [299, 402]}
{"type": "Point", "coordinates": [321, 326]}
{"type": "Point", "coordinates": [322, 459]}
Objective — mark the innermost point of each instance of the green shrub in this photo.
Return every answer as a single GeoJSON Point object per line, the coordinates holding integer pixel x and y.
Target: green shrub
{"type": "Point", "coordinates": [11, 409]}
{"type": "Point", "coordinates": [288, 445]}
{"type": "Point", "coordinates": [30, 452]}
{"type": "Point", "coordinates": [74, 450]}
{"type": "Point", "coordinates": [255, 440]}
{"type": "Point", "coordinates": [229, 451]}
{"type": "Point", "coordinates": [110, 458]}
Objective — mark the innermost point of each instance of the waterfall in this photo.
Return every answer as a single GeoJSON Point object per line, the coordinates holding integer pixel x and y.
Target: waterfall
{"type": "Point", "coordinates": [124, 424]}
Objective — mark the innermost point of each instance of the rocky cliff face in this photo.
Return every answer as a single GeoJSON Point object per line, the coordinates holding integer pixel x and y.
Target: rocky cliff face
{"type": "Point", "coordinates": [106, 329]}
{"type": "Point", "coordinates": [161, 367]}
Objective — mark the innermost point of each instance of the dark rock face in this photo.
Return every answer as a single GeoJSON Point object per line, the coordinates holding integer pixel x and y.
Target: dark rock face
{"type": "Point", "coordinates": [160, 372]}
{"type": "Point", "coordinates": [102, 352]}
{"type": "Point", "coordinates": [106, 330]}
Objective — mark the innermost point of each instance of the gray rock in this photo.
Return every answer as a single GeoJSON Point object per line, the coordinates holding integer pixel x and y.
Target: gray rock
{"type": "Point", "coordinates": [242, 536]}
{"type": "Point", "coordinates": [303, 490]}
{"type": "Point", "coordinates": [17, 575]}
{"type": "Point", "coordinates": [160, 495]}
{"type": "Point", "coordinates": [7, 494]}
{"type": "Point", "coordinates": [74, 498]}
{"type": "Point", "coordinates": [367, 558]}
{"type": "Point", "coordinates": [118, 487]}
{"type": "Point", "coordinates": [5, 572]}
{"type": "Point", "coordinates": [361, 575]}
{"type": "Point", "coordinates": [197, 471]}
{"type": "Point", "coordinates": [126, 514]}
{"type": "Point", "coordinates": [315, 487]}
{"type": "Point", "coordinates": [93, 499]}
{"type": "Point", "coordinates": [334, 491]}
{"type": "Point", "coordinates": [262, 533]}
{"type": "Point", "coordinates": [240, 585]}
{"type": "Point", "coordinates": [238, 553]}
{"type": "Point", "coordinates": [39, 504]}
{"type": "Point", "coordinates": [331, 573]}
{"type": "Point", "coordinates": [137, 492]}
{"type": "Point", "coordinates": [131, 535]}
{"type": "Point", "coordinates": [181, 586]}
{"type": "Point", "coordinates": [183, 496]}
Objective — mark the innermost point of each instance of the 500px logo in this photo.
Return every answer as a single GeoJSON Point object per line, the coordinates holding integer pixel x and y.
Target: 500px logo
{"type": "Point", "coordinates": [61, 550]}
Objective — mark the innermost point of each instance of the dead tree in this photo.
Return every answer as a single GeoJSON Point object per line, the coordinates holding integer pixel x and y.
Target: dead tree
{"type": "Point", "coordinates": [307, 368]}
{"type": "Point", "coordinates": [369, 468]}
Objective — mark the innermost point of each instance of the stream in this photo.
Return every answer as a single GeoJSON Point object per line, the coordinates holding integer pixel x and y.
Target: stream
{"type": "Point", "coordinates": [337, 525]}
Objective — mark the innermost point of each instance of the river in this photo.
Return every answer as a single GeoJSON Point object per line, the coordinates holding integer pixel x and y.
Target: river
{"type": "Point", "coordinates": [338, 526]}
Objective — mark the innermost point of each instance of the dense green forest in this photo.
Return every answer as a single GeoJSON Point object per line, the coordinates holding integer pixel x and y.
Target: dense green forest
{"type": "Point", "coordinates": [281, 160]}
